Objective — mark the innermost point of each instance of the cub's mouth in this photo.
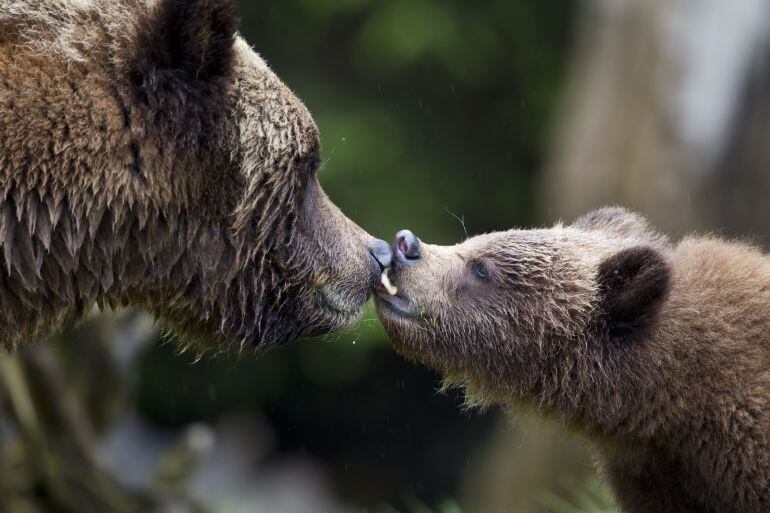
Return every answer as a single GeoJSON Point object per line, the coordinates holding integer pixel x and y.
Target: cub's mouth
{"type": "Point", "coordinates": [394, 302]}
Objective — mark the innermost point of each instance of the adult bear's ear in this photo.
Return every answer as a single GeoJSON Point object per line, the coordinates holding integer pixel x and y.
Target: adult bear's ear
{"type": "Point", "coordinates": [183, 63]}
{"type": "Point", "coordinates": [632, 285]}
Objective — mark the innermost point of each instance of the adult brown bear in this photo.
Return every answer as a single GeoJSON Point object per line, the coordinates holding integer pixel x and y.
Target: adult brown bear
{"type": "Point", "coordinates": [657, 351]}
{"type": "Point", "coordinates": [149, 157]}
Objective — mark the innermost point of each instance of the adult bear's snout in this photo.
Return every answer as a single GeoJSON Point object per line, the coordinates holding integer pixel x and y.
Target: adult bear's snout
{"type": "Point", "coordinates": [406, 247]}
{"type": "Point", "coordinates": [381, 252]}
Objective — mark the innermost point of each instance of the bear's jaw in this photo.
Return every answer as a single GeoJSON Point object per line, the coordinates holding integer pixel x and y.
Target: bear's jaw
{"type": "Point", "coordinates": [396, 306]}
{"type": "Point", "coordinates": [339, 305]}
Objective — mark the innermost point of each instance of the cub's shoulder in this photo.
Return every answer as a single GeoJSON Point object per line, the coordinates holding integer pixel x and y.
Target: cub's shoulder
{"type": "Point", "coordinates": [730, 268]}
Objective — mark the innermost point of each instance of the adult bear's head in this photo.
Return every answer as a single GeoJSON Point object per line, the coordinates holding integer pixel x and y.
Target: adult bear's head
{"type": "Point", "coordinates": [175, 172]}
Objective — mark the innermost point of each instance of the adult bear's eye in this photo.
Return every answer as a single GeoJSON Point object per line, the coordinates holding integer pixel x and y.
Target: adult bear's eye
{"type": "Point", "coordinates": [313, 163]}
{"type": "Point", "coordinates": [480, 270]}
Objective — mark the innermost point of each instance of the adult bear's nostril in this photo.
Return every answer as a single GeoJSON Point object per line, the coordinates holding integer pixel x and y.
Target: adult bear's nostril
{"type": "Point", "coordinates": [407, 245]}
{"type": "Point", "coordinates": [381, 252]}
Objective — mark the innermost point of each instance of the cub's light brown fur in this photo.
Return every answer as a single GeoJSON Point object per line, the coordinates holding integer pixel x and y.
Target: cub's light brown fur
{"type": "Point", "coordinates": [149, 157]}
{"type": "Point", "coordinates": [659, 352]}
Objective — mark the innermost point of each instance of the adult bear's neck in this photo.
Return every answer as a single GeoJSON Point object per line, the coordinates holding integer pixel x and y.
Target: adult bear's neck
{"type": "Point", "coordinates": [62, 258]}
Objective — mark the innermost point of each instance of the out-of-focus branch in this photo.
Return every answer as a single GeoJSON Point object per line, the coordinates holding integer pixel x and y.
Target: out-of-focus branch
{"type": "Point", "coordinates": [740, 184]}
{"type": "Point", "coordinates": [57, 442]}
{"type": "Point", "coordinates": [49, 461]}
{"type": "Point", "coordinates": [616, 142]}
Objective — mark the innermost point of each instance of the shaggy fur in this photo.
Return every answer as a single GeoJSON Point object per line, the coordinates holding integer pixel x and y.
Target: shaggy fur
{"type": "Point", "coordinates": [149, 157]}
{"type": "Point", "coordinates": [658, 351]}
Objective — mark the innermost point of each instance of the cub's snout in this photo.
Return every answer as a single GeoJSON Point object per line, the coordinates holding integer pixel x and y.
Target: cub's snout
{"type": "Point", "coordinates": [406, 247]}
{"type": "Point", "coordinates": [395, 296]}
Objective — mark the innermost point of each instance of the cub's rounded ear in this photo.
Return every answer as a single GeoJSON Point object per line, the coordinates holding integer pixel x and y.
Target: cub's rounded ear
{"type": "Point", "coordinates": [184, 53]}
{"type": "Point", "coordinates": [616, 220]}
{"type": "Point", "coordinates": [632, 285]}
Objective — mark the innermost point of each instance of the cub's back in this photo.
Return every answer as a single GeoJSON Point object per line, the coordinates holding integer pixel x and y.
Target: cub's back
{"type": "Point", "coordinates": [720, 303]}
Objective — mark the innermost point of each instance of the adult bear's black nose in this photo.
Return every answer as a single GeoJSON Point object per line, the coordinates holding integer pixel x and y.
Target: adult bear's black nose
{"type": "Point", "coordinates": [380, 250]}
{"type": "Point", "coordinates": [406, 247]}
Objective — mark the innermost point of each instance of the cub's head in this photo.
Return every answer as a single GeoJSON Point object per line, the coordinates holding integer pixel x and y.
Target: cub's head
{"type": "Point", "coordinates": [523, 312]}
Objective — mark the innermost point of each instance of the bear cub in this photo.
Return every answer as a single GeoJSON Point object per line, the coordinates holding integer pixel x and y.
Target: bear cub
{"type": "Point", "coordinates": [657, 351]}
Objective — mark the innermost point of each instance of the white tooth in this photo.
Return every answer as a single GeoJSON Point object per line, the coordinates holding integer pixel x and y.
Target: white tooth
{"type": "Point", "coordinates": [392, 289]}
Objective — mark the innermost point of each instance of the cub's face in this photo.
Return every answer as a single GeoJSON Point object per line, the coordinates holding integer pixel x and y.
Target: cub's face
{"type": "Point", "coordinates": [504, 304]}
{"type": "Point", "coordinates": [486, 297]}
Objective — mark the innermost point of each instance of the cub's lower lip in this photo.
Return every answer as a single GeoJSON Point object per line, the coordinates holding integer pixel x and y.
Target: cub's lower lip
{"type": "Point", "coordinates": [397, 305]}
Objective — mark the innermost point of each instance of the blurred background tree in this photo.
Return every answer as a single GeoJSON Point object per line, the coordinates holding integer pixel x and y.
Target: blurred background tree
{"type": "Point", "coordinates": [444, 117]}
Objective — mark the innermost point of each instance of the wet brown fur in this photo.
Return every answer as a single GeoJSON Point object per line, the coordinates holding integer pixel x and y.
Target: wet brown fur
{"type": "Point", "coordinates": [148, 157]}
{"type": "Point", "coordinates": [659, 352]}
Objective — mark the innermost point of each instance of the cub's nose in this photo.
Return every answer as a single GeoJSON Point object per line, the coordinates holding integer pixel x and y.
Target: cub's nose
{"type": "Point", "coordinates": [406, 247]}
{"type": "Point", "coordinates": [380, 250]}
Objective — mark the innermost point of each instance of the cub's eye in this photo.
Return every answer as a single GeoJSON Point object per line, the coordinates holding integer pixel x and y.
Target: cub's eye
{"type": "Point", "coordinates": [480, 270]}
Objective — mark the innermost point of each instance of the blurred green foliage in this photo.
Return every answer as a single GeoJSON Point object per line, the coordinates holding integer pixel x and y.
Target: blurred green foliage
{"type": "Point", "coordinates": [424, 106]}
{"type": "Point", "coordinates": [586, 496]}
